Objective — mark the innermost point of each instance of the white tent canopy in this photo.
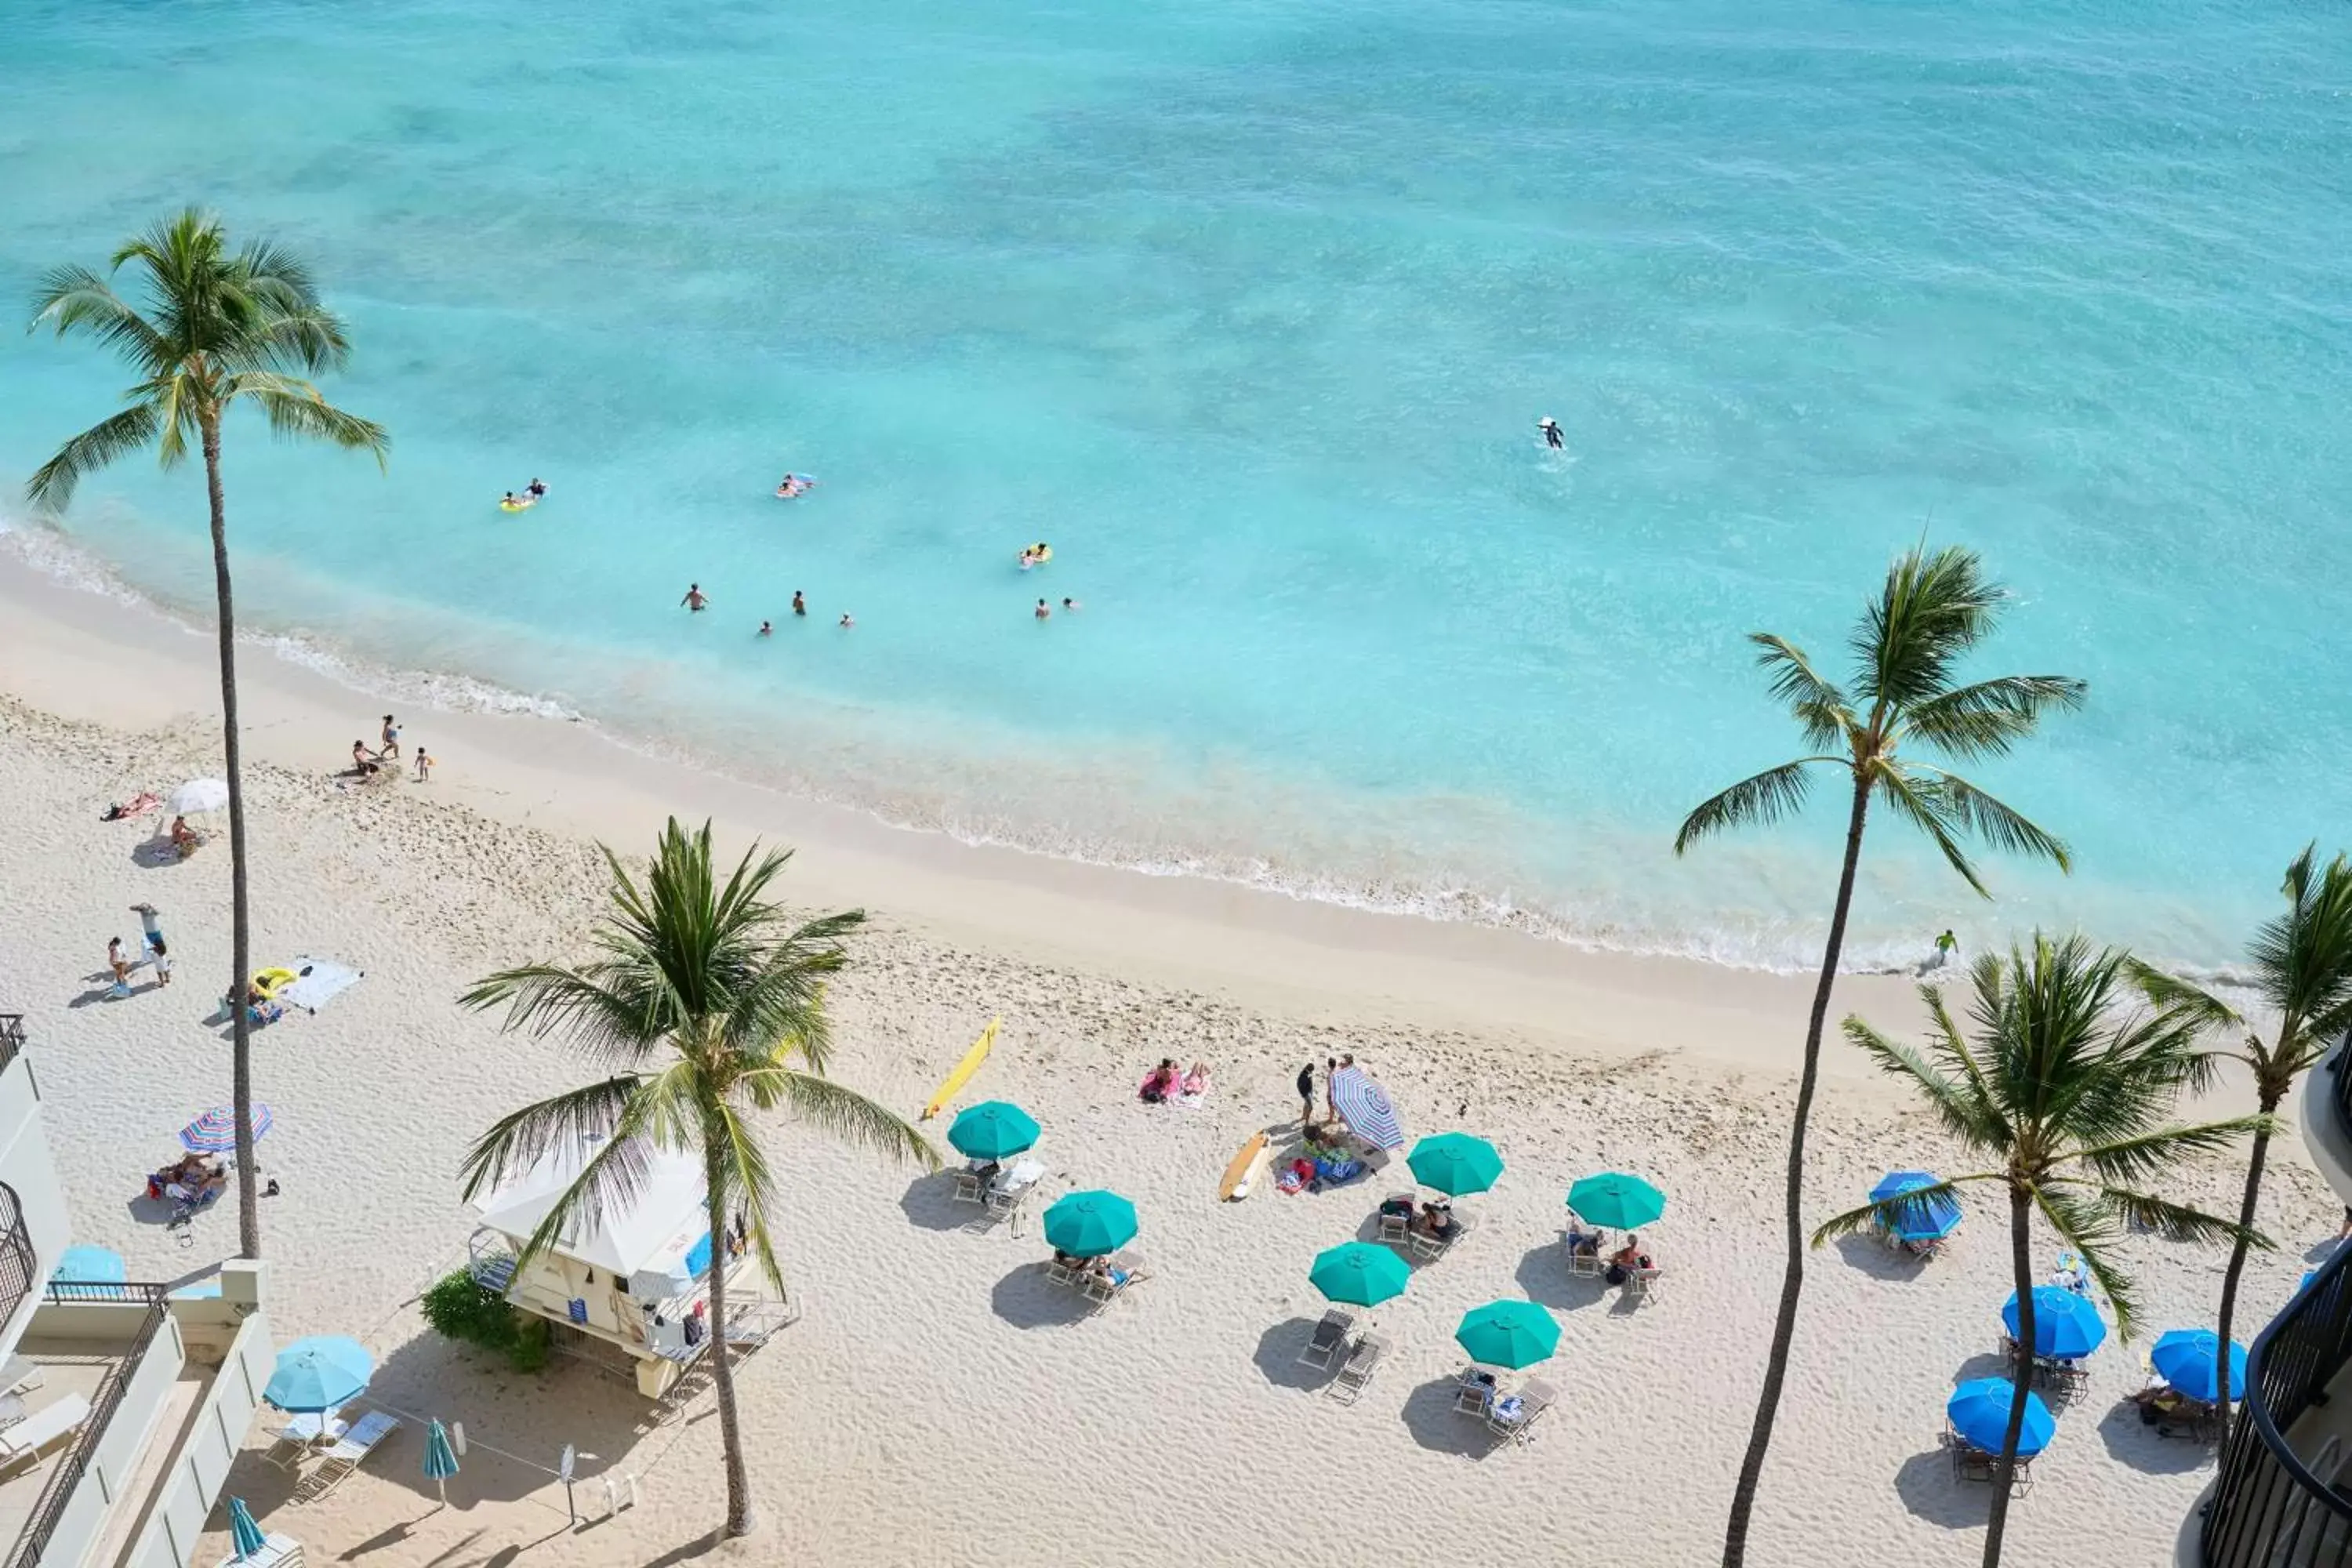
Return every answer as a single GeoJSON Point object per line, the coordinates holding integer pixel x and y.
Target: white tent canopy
{"type": "Point", "coordinates": [654, 1236]}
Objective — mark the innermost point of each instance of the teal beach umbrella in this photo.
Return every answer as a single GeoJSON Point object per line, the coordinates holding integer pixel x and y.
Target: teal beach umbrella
{"type": "Point", "coordinates": [1089, 1223]}
{"type": "Point", "coordinates": [993, 1130]}
{"type": "Point", "coordinates": [440, 1458]}
{"type": "Point", "coordinates": [319, 1373]}
{"type": "Point", "coordinates": [1455, 1162]}
{"type": "Point", "coordinates": [1508, 1333]}
{"type": "Point", "coordinates": [1359, 1273]}
{"type": "Point", "coordinates": [244, 1535]}
{"type": "Point", "coordinates": [1618, 1201]}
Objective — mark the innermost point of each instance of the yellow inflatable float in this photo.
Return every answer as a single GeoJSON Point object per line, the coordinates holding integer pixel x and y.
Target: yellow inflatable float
{"type": "Point", "coordinates": [269, 981]}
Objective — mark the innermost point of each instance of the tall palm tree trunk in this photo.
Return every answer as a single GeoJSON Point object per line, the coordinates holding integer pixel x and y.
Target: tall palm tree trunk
{"type": "Point", "coordinates": [248, 1196]}
{"type": "Point", "coordinates": [2268, 1103]}
{"type": "Point", "coordinates": [723, 1374]}
{"type": "Point", "coordinates": [2021, 1380]}
{"type": "Point", "coordinates": [1793, 1277]}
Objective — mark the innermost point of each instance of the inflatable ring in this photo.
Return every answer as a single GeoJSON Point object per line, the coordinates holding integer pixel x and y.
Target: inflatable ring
{"type": "Point", "coordinates": [269, 981]}
{"type": "Point", "coordinates": [514, 506]}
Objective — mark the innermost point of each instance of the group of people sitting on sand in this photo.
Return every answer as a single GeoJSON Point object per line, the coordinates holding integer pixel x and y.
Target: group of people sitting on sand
{"type": "Point", "coordinates": [1091, 1267]}
{"type": "Point", "coordinates": [1433, 1219]}
{"type": "Point", "coordinates": [191, 1179]}
{"type": "Point", "coordinates": [1624, 1264]}
{"type": "Point", "coordinates": [1166, 1082]}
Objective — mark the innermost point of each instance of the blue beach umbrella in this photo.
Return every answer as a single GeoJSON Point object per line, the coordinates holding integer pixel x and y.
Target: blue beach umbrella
{"type": "Point", "coordinates": [2184, 1358]}
{"type": "Point", "coordinates": [1365, 1107]}
{"type": "Point", "coordinates": [993, 1129]}
{"type": "Point", "coordinates": [1089, 1223]}
{"type": "Point", "coordinates": [319, 1373]}
{"type": "Point", "coordinates": [1358, 1273]}
{"type": "Point", "coordinates": [214, 1132]}
{"type": "Point", "coordinates": [1508, 1333]}
{"type": "Point", "coordinates": [244, 1534]}
{"type": "Point", "coordinates": [1924, 1219]}
{"type": "Point", "coordinates": [90, 1266]}
{"type": "Point", "coordinates": [1978, 1412]}
{"type": "Point", "coordinates": [440, 1458]}
{"type": "Point", "coordinates": [1455, 1162]}
{"type": "Point", "coordinates": [2064, 1325]}
{"type": "Point", "coordinates": [1616, 1200]}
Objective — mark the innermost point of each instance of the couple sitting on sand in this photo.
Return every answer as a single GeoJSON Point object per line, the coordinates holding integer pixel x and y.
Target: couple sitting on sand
{"type": "Point", "coordinates": [191, 1179]}
{"type": "Point", "coordinates": [1163, 1083]}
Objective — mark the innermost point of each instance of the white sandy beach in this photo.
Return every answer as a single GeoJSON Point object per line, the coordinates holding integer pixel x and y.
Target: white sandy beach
{"type": "Point", "coordinates": [937, 1403]}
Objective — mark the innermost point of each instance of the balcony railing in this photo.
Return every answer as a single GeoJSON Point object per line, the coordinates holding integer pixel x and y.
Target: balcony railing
{"type": "Point", "coordinates": [12, 1037]}
{"type": "Point", "coordinates": [2271, 1507]}
{"type": "Point", "coordinates": [58, 1493]}
{"type": "Point", "coordinates": [19, 1264]}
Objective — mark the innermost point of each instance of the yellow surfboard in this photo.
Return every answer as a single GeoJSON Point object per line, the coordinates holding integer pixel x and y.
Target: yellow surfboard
{"type": "Point", "coordinates": [963, 1070]}
{"type": "Point", "coordinates": [1242, 1173]}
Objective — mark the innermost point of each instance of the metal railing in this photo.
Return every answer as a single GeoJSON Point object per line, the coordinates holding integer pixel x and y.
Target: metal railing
{"type": "Point", "coordinates": [19, 1264]}
{"type": "Point", "coordinates": [12, 1037]}
{"type": "Point", "coordinates": [59, 1490]}
{"type": "Point", "coordinates": [2270, 1508]}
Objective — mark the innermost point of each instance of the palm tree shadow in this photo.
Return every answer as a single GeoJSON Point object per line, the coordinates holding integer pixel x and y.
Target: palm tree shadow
{"type": "Point", "coordinates": [1932, 1492]}
{"type": "Point", "coordinates": [1877, 1259]}
{"type": "Point", "coordinates": [1026, 1299]}
{"type": "Point", "coordinates": [1543, 1275]}
{"type": "Point", "coordinates": [1436, 1426]}
{"type": "Point", "coordinates": [1277, 1357]}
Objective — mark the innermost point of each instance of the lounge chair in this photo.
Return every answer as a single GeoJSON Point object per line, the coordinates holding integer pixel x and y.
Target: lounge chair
{"type": "Point", "coordinates": [20, 1373]}
{"type": "Point", "coordinates": [1430, 1249]}
{"type": "Point", "coordinates": [345, 1456]}
{"type": "Point", "coordinates": [1584, 1264]}
{"type": "Point", "coordinates": [1641, 1284]}
{"type": "Point", "coordinates": [1127, 1268]}
{"type": "Point", "coordinates": [1535, 1397]}
{"type": "Point", "coordinates": [1396, 1229]}
{"type": "Point", "coordinates": [300, 1435]}
{"type": "Point", "coordinates": [1323, 1344]}
{"type": "Point", "coordinates": [1357, 1375]}
{"type": "Point", "coordinates": [1473, 1391]}
{"type": "Point", "coordinates": [1062, 1272]}
{"type": "Point", "coordinates": [969, 1188]}
{"type": "Point", "coordinates": [59, 1418]}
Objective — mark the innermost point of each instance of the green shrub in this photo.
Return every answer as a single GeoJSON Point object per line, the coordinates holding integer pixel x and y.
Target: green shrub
{"type": "Point", "coordinates": [528, 1349]}
{"type": "Point", "coordinates": [458, 1308]}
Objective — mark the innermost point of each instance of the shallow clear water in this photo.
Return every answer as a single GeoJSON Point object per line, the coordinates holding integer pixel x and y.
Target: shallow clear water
{"type": "Point", "coordinates": [1250, 310]}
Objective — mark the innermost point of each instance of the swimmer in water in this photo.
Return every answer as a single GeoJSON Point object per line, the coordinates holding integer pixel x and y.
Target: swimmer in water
{"type": "Point", "coordinates": [765, 629]}
{"type": "Point", "coordinates": [1044, 610]}
{"type": "Point", "coordinates": [794, 487]}
{"type": "Point", "coordinates": [1070, 605]}
{"type": "Point", "coordinates": [535, 489]}
{"type": "Point", "coordinates": [694, 599]}
{"type": "Point", "coordinates": [511, 500]}
{"type": "Point", "coordinates": [800, 605]}
{"type": "Point", "coordinates": [1550, 429]}
{"type": "Point", "coordinates": [845, 622]}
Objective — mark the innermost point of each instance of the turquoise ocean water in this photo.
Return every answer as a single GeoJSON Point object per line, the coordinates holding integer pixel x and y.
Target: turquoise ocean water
{"type": "Point", "coordinates": [1249, 306]}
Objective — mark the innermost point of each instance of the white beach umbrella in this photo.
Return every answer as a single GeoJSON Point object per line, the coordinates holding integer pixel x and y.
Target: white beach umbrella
{"type": "Point", "coordinates": [197, 795]}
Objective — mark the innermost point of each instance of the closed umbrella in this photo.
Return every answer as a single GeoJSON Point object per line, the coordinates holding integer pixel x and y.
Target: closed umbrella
{"type": "Point", "coordinates": [1978, 1412]}
{"type": "Point", "coordinates": [214, 1132]}
{"type": "Point", "coordinates": [197, 795]}
{"type": "Point", "coordinates": [2184, 1358]}
{"type": "Point", "coordinates": [1922, 1219]}
{"type": "Point", "coordinates": [993, 1129]}
{"type": "Point", "coordinates": [1455, 1162]}
{"type": "Point", "coordinates": [1366, 1108]}
{"type": "Point", "coordinates": [1617, 1201]}
{"type": "Point", "coordinates": [440, 1458]}
{"type": "Point", "coordinates": [1508, 1333]}
{"type": "Point", "coordinates": [1089, 1223]}
{"type": "Point", "coordinates": [91, 1265]}
{"type": "Point", "coordinates": [2064, 1325]}
{"type": "Point", "coordinates": [244, 1534]}
{"type": "Point", "coordinates": [1359, 1273]}
{"type": "Point", "coordinates": [319, 1373]}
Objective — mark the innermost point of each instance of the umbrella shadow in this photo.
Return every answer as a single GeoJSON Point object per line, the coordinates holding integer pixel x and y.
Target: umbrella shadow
{"type": "Point", "coordinates": [1026, 1299]}
{"type": "Point", "coordinates": [155, 854]}
{"type": "Point", "coordinates": [929, 1202]}
{"type": "Point", "coordinates": [1436, 1426]}
{"type": "Point", "coordinates": [1991, 1364]}
{"type": "Point", "coordinates": [1875, 1259]}
{"type": "Point", "coordinates": [1932, 1492]}
{"type": "Point", "coordinates": [1277, 1357]}
{"type": "Point", "coordinates": [2140, 1446]}
{"type": "Point", "coordinates": [1543, 1274]}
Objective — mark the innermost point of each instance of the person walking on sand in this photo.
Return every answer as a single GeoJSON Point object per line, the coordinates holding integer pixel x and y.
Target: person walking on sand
{"type": "Point", "coordinates": [423, 766]}
{"type": "Point", "coordinates": [120, 964]}
{"type": "Point", "coordinates": [1330, 1071]}
{"type": "Point", "coordinates": [1306, 1097]}
{"type": "Point", "coordinates": [695, 600]}
{"type": "Point", "coordinates": [390, 747]}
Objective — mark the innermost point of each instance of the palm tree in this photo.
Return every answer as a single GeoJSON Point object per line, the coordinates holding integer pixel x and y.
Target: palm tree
{"type": "Point", "coordinates": [2072, 1098]}
{"type": "Point", "coordinates": [707, 1003]}
{"type": "Point", "coordinates": [2303, 970]}
{"type": "Point", "coordinates": [218, 328]}
{"type": "Point", "coordinates": [1932, 611]}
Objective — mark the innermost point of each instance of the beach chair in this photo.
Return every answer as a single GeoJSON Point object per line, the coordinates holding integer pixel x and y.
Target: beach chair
{"type": "Point", "coordinates": [1534, 1398]}
{"type": "Point", "coordinates": [1126, 1270]}
{"type": "Point", "coordinates": [2192, 1419]}
{"type": "Point", "coordinates": [1473, 1391]}
{"type": "Point", "coordinates": [2066, 1380]}
{"type": "Point", "coordinates": [1641, 1284]}
{"type": "Point", "coordinates": [1061, 1273]}
{"type": "Point", "coordinates": [1357, 1375]}
{"type": "Point", "coordinates": [1429, 1248]}
{"type": "Point", "coordinates": [20, 1373]}
{"type": "Point", "coordinates": [969, 1188]}
{"type": "Point", "coordinates": [1395, 1230]}
{"type": "Point", "coordinates": [300, 1435]}
{"type": "Point", "coordinates": [26, 1438]}
{"type": "Point", "coordinates": [347, 1453]}
{"type": "Point", "coordinates": [1581, 1264]}
{"type": "Point", "coordinates": [1323, 1344]}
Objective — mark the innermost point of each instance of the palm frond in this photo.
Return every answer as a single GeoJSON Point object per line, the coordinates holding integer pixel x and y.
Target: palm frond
{"type": "Point", "coordinates": [2303, 958]}
{"type": "Point", "coordinates": [2173, 992]}
{"type": "Point", "coordinates": [1922, 804]}
{"type": "Point", "coordinates": [744, 1166]}
{"type": "Point", "coordinates": [1988, 719]}
{"type": "Point", "coordinates": [52, 483]}
{"type": "Point", "coordinates": [298, 411]}
{"type": "Point", "coordinates": [1890, 1212]}
{"type": "Point", "coordinates": [74, 299]}
{"type": "Point", "coordinates": [1990, 820]}
{"type": "Point", "coordinates": [1768, 797]}
{"type": "Point", "coordinates": [839, 1111]}
{"type": "Point", "coordinates": [2145, 1155]}
{"type": "Point", "coordinates": [2168, 1220]}
{"type": "Point", "coordinates": [1820, 707]}
{"type": "Point", "coordinates": [574, 1118]}
{"type": "Point", "coordinates": [602, 1013]}
{"type": "Point", "coordinates": [1932, 609]}
{"type": "Point", "coordinates": [1960, 1104]}
{"type": "Point", "coordinates": [2089, 1229]}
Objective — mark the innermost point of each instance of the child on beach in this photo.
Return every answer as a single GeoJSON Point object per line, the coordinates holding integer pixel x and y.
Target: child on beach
{"type": "Point", "coordinates": [423, 766]}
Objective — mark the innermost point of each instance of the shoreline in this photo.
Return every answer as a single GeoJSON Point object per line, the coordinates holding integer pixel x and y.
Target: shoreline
{"type": "Point", "coordinates": [74, 651]}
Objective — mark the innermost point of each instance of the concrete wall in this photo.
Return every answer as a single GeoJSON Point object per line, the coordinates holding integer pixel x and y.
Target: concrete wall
{"type": "Point", "coordinates": [200, 1469]}
{"type": "Point", "coordinates": [26, 1165]}
{"type": "Point", "coordinates": [110, 1478]}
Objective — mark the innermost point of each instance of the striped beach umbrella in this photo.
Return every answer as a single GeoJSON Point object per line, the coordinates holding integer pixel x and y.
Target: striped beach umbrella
{"type": "Point", "coordinates": [1365, 1107]}
{"type": "Point", "coordinates": [1089, 1223]}
{"type": "Point", "coordinates": [244, 1535]}
{"type": "Point", "coordinates": [214, 1132]}
{"type": "Point", "coordinates": [1359, 1273]}
{"type": "Point", "coordinates": [440, 1458]}
{"type": "Point", "coordinates": [1508, 1333]}
{"type": "Point", "coordinates": [1618, 1201]}
{"type": "Point", "coordinates": [993, 1130]}
{"type": "Point", "coordinates": [1455, 1162]}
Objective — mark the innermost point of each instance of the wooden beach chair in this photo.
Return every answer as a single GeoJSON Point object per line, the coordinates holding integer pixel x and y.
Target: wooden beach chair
{"type": "Point", "coordinates": [969, 1189]}
{"type": "Point", "coordinates": [1324, 1344]}
{"type": "Point", "coordinates": [1363, 1363]}
{"type": "Point", "coordinates": [1473, 1391]}
{"type": "Point", "coordinates": [1429, 1248]}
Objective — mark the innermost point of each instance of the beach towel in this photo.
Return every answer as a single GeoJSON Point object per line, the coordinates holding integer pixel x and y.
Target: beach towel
{"type": "Point", "coordinates": [317, 981]}
{"type": "Point", "coordinates": [1295, 1176]}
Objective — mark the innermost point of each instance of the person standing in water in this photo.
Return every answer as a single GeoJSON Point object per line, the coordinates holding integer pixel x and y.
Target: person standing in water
{"type": "Point", "coordinates": [1044, 610]}
{"type": "Point", "coordinates": [1550, 429]}
{"type": "Point", "coordinates": [845, 622]}
{"type": "Point", "coordinates": [765, 629]}
{"type": "Point", "coordinates": [694, 599]}
{"type": "Point", "coordinates": [800, 605]}
{"type": "Point", "coordinates": [1948, 946]}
